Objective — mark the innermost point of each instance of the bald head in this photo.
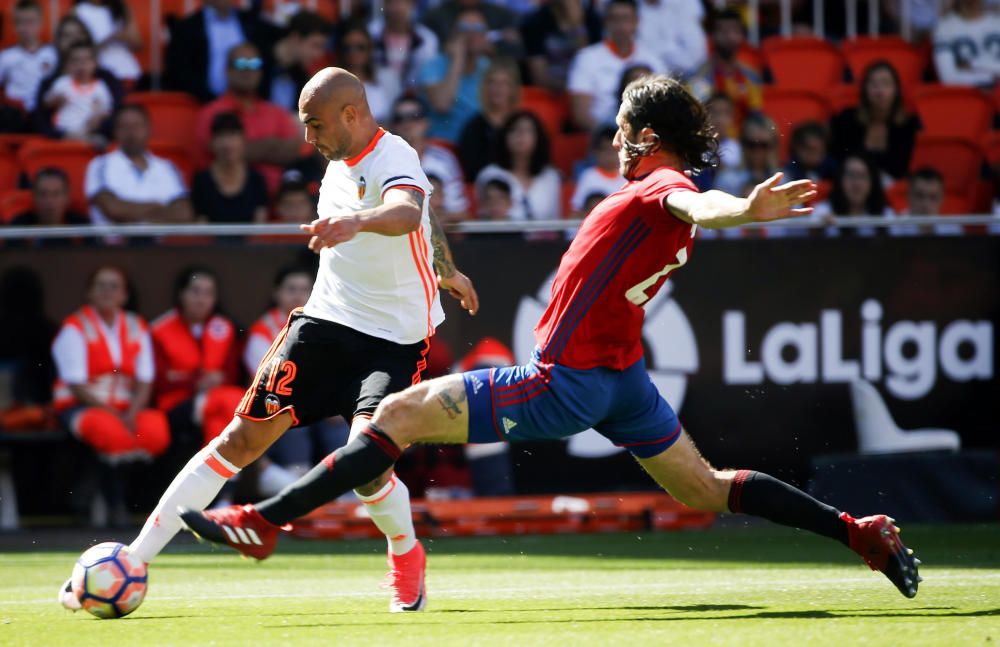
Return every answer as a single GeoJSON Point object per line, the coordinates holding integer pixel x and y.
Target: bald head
{"type": "Point", "coordinates": [335, 111]}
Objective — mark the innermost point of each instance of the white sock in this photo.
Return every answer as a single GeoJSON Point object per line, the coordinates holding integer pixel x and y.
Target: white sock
{"type": "Point", "coordinates": [194, 487]}
{"type": "Point", "coordinates": [273, 478]}
{"type": "Point", "coordinates": [389, 509]}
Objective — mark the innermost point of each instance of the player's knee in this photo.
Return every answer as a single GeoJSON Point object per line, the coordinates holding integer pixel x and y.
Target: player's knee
{"type": "Point", "coordinates": [398, 415]}
{"type": "Point", "coordinates": [243, 441]}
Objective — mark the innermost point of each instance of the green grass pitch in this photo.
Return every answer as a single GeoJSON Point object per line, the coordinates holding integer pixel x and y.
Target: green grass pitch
{"type": "Point", "coordinates": [734, 586]}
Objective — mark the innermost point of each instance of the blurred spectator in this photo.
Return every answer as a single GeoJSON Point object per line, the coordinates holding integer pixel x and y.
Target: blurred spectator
{"type": "Point", "coordinates": [130, 184]}
{"type": "Point", "coordinates": [229, 190]}
{"type": "Point", "coordinates": [105, 370]}
{"type": "Point", "coordinates": [24, 65]}
{"type": "Point", "coordinates": [672, 30]}
{"type": "Point", "coordinates": [523, 162]}
{"type": "Point", "coordinates": [722, 116]}
{"type": "Point", "coordinates": [26, 333]}
{"type": "Point", "coordinates": [724, 72]}
{"type": "Point", "coordinates": [69, 32]}
{"type": "Point", "coordinates": [50, 195]}
{"type": "Point", "coordinates": [603, 178]}
{"type": "Point", "coordinates": [298, 449]}
{"type": "Point", "coordinates": [553, 34]}
{"type": "Point", "coordinates": [356, 54]}
{"type": "Point", "coordinates": [402, 45]}
{"type": "Point", "coordinates": [409, 121]}
{"type": "Point", "coordinates": [924, 15]}
{"type": "Point", "coordinates": [759, 143]}
{"type": "Point", "coordinates": [596, 69]}
{"type": "Point", "coordinates": [115, 33]}
{"type": "Point", "coordinates": [925, 197]}
{"type": "Point", "coordinates": [499, 21]}
{"type": "Point", "coordinates": [437, 193]}
{"type": "Point", "coordinates": [273, 139]}
{"type": "Point", "coordinates": [294, 203]}
{"type": "Point", "coordinates": [499, 96]}
{"type": "Point", "coordinates": [880, 127]}
{"type": "Point", "coordinates": [629, 74]}
{"type": "Point", "coordinates": [490, 464]}
{"type": "Point", "coordinates": [78, 99]}
{"type": "Point", "coordinates": [197, 363]}
{"type": "Point", "coordinates": [495, 200]}
{"type": "Point", "coordinates": [965, 45]}
{"type": "Point", "coordinates": [197, 57]}
{"type": "Point", "coordinates": [857, 191]}
{"type": "Point", "coordinates": [295, 55]}
{"type": "Point", "coordinates": [809, 154]}
{"type": "Point", "coordinates": [451, 80]}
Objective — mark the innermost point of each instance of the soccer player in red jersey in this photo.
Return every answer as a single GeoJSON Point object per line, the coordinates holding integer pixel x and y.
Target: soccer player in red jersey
{"type": "Point", "coordinates": [588, 368]}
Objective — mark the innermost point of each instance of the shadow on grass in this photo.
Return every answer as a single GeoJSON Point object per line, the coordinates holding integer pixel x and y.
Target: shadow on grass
{"type": "Point", "coordinates": [675, 614]}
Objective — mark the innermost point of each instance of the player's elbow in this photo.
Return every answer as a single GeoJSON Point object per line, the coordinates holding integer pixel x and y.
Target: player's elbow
{"type": "Point", "coordinates": [410, 217]}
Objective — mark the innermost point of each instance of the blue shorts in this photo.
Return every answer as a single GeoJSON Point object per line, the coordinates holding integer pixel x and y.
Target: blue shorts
{"type": "Point", "coordinates": [549, 402]}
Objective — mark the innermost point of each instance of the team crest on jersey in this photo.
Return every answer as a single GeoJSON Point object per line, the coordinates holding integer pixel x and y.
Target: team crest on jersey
{"type": "Point", "coordinates": [362, 186]}
{"type": "Point", "coordinates": [271, 404]}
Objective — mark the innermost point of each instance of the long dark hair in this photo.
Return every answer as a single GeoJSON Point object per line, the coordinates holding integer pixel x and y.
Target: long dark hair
{"type": "Point", "coordinates": [539, 156]}
{"type": "Point", "coordinates": [897, 112]}
{"type": "Point", "coordinates": [874, 203]}
{"type": "Point", "coordinates": [678, 119]}
{"type": "Point", "coordinates": [359, 27]}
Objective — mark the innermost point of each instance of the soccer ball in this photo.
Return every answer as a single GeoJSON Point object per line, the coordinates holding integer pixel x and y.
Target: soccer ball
{"type": "Point", "coordinates": [109, 581]}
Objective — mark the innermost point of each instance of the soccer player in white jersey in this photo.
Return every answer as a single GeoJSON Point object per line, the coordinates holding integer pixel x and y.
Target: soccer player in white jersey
{"type": "Point", "coordinates": [363, 334]}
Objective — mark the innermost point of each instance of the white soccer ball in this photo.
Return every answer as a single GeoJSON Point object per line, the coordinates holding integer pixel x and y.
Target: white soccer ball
{"type": "Point", "coordinates": [109, 581]}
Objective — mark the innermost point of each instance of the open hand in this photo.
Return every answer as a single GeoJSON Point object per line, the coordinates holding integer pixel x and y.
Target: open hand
{"type": "Point", "coordinates": [768, 201]}
{"type": "Point", "coordinates": [331, 231]}
{"type": "Point", "coordinates": [460, 286]}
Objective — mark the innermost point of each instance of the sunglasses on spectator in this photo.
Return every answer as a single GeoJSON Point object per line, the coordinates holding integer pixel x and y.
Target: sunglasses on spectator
{"type": "Point", "coordinates": [355, 47]}
{"type": "Point", "coordinates": [471, 27]}
{"type": "Point", "coordinates": [405, 117]}
{"type": "Point", "coordinates": [243, 63]}
{"type": "Point", "coordinates": [756, 144]}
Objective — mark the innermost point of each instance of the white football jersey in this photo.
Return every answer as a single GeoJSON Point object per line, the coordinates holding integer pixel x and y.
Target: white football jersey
{"type": "Point", "coordinates": [383, 286]}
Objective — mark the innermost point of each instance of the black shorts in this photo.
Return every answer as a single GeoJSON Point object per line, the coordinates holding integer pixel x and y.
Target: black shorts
{"type": "Point", "coordinates": [316, 369]}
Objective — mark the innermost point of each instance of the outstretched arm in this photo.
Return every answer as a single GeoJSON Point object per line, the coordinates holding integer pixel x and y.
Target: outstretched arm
{"type": "Point", "coordinates": [767, 202]}
{"type": "Point", "coordinates": [398, 215]}
{"type": "Point", "coordinates": [457, 284]}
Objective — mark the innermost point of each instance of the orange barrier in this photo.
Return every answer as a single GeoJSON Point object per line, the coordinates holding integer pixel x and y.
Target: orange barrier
{"type": "Point", "coordinates": [529, 515]}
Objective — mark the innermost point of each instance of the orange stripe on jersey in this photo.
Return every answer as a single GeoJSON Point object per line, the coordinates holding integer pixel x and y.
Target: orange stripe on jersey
{"type": "Point", "coordinates": [218, 467]}
{"type": "Point", "coordinates": [367, 149]}
{"type": "Point", "coordinates": [426, 278]}
{"type": "Point", "coordinates": [434, 285]}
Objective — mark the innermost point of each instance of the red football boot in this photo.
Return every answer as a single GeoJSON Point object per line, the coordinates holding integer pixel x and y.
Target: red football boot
{"type": "Point", "coordinates": [406, 578]}
{"type": "Point", "coordinates": [236, 526]}
{"type": "Point", "coordinates": [876, 539]}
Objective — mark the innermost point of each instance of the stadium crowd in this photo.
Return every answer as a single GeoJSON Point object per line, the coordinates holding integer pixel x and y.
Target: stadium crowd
{"type": "Point", "coordinates": [510, 105]}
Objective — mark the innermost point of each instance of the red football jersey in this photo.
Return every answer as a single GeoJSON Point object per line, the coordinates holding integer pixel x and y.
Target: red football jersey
{"type": "Point", "coordinates": [624, 251]}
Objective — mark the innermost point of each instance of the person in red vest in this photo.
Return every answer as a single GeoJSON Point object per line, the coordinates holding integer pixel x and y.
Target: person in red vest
{"type": "Point", "coordinates": [105, 369]}
{"type": "Point", "coordinates": [292, 287]}
{"type": "Point", "coordinates": [196, 358]}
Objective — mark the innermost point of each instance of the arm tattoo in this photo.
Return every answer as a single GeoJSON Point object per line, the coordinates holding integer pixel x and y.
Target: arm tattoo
{"type": "Point", "coordinates": [444, 265]}
{"type": "Point", "coordinates": [449, 402]}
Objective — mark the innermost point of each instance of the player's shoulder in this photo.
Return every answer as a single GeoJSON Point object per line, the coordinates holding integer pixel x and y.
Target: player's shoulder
{"type": "Point", "coordinates": [665, 178]}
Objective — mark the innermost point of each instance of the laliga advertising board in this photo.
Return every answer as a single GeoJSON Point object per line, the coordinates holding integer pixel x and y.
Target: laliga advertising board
{"type": "Point", "coordinates": [754, 342]}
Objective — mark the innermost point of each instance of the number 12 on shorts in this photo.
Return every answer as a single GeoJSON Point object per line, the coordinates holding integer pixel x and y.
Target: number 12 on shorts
{"type": "Point", "coordinates": [287, 371]}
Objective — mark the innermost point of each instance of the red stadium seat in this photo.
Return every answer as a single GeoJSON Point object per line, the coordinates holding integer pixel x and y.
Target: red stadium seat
{"type": "Point", "coordinates": [789, 108]}
{"type": "Point", "coordinates": [567, 149]}
{"type": "Point", "coordinates": [14, 203]}
{"type": "Point", "coordinates": [551, 109]}
{"type": "Point", "coordinates": [71, 156]}
{"type": "Point", "coordinates": [172, 116]}
{"type": "Point", "coordinates": [803, 63]}
{"type": "Point", "coordinates": [842, 96]}
{"type": "Point", "coordinates": [10, 173]}
{"type": "Point", "coordinates": [177, 154]}
{"type": "Point", "coordinates": [750, 56]}
{"type": "Point", "coordinates": [908, 61]}
{"type": "Point", "coordinates": [991, 147]}
{"type": "Point", "coordinates": [953, 111]}
{"type": "Point", "coordinates": [958, 160]}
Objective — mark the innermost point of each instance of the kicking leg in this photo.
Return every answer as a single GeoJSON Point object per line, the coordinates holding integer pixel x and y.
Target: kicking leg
{"type": "Point", "coordinates": [689, 478]}
{"type": "Point", "coordinates": [198, 482]}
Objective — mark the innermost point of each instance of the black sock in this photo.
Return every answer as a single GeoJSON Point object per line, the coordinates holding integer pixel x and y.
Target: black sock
{"type": "Point", "coordinates": [765, 496]}
{"type": "Point", "coordinates": [358, 462]}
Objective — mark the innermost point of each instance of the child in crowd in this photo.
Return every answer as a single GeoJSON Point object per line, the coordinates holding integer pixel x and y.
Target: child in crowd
{"type": "Point", "coordinates": [603, 177]}
{"type": "Point", "coordinates": [294, 203]}
{"type": "Point", "coordinates": [810, 158]}
{"type": "Point", "coordinates": [80, 100]}
{"type": "Point", "coordinates": [24, 65]}
{"type": "Point", "coordinates": [495, 202]}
